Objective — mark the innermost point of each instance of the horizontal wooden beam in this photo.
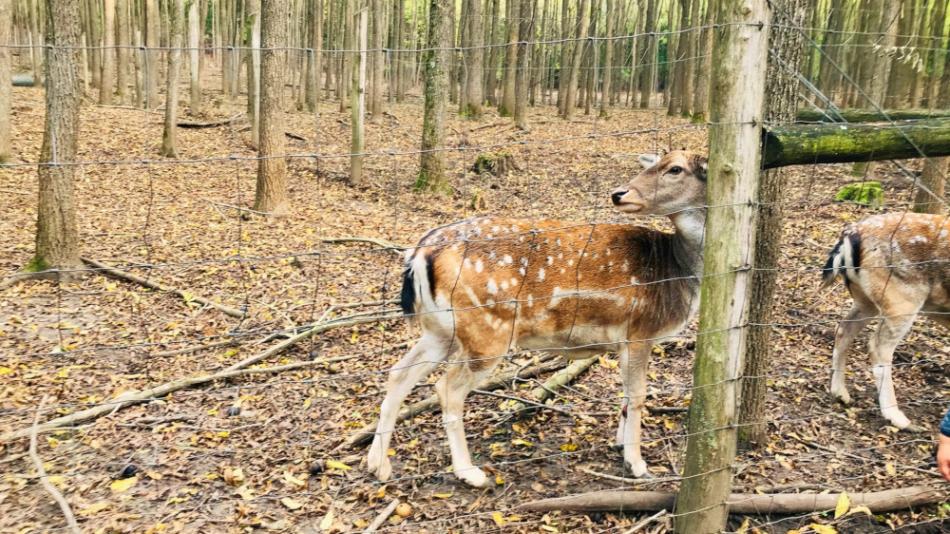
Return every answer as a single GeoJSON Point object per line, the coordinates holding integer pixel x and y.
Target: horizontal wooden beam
{"type": "Point", "coordinates": [869, 115]}
{"type": "Point", "coordinates": [809, 144]}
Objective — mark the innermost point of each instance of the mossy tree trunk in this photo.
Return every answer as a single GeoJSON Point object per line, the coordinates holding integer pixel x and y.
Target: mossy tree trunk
{"type": "Point", "coordinates": [57, 231]}
{"type": "Point", "coordinates": [740, 55]}
{"type": "Point", "coordinates": [787, 44]}
{"type": "Point", "coordinates": [271, 194]}
{"type": "Point", "coordinates": [436, 79]}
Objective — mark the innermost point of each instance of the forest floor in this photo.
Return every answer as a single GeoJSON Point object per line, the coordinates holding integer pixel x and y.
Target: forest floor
{"type": "Point", "coordinates": [191, 462]}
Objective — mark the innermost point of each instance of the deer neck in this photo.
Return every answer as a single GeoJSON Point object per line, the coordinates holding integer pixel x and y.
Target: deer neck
{"type": "Point", "coordinates": [688, 242]}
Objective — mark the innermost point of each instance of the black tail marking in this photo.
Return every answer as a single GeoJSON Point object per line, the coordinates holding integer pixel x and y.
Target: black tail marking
{"type": "Point", "coordinates": [407, 297]}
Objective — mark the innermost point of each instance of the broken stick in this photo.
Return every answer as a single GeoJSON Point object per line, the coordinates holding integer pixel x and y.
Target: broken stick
{"type": "Point", "coordinates": [41, 473]}
{"type": "Point", "coordinates": [117, 273]}
{"type": "Point", "coordinates": [550, 386]}
{"type": "Point", "coordinates": [382, 517]}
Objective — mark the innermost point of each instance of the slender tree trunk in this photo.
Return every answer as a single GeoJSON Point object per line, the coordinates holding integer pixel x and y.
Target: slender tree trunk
{"type": "Point", "coordinates": [271, 194]}
{"type": "Point", "coordinates": [358, 98]}
{"type": "Point", "coordinates": [57, 231]}
{"type": "Point", "coordinates": [36, 50]}
{"type": "Point", "coordinates": [123, 39]}
{"type": "Point", "coordinates": [152, 55]}
{"type": "Point", "coordinates": [511, 60]}
{"type": "Point", "coordinates": [565, 54]}
{"type": "Point", "coordinates": [608, 57]}
{"type": "Point", "coordinates": [931, 194]}
{"type": "Point", "coordinates": [346, 72]}
{"type": "Point", "coordinates": [648, 73]}
{"type": "Point", "coordinates": [692, 62]}
{"type": "Point", "coordinates": [491, 76]}
{"type": "Point", "coordinates": [399, 57]}
{"type": "Point", "coordinates": [570, 97]}
{"type": "Point", "coordinates": [93, 35]}
{"type": "Point", "coordinates": [169, 146]}
{"type": "Point", "coordinates": [525, 31]}
{"type": "Point", "coordinates": [107, 79]}
{"type": "Point", "coordinates": [6, 77]}
{"type": "Point", "coordinates": [677, 103]}
{"type": "Point", "coordinates": [254, 69]}
{"type": "Point", "coordinates": [432, 159]}
{"type": "Point", "coordinates": [379, 38]}
{"type": "Point", "coordinates": [474, 62]}
{"type": "Point", "coordinates": [937, 56]}
{"type": "Point", "coordinates": [194, 55]}
{"type": "Point", "coordinates": [787, 45]}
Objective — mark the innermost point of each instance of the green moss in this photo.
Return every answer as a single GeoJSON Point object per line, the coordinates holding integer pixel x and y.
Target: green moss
{"type": "Point", "coordinates": [864, 193]}
{"type": "Point", "coordinates": [36, 265]}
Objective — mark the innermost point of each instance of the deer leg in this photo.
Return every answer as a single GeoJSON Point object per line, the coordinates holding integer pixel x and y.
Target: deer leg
{"type": "Point", "coordinates": [408, 371]}
{"type": "Point", "coordinates": [882, 345]}
{"type": "Point", "coordinates": [452, 390]}
{"type": "Point", "coordinates": [618, 441]}
{"type": "Point", "coordinates": [847, 329]}
{"type": "Point", "coordinates": [633, 368]}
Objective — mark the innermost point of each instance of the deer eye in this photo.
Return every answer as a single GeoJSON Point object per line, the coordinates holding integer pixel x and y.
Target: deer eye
{"type": "Point", "coordinates": [676, 169]}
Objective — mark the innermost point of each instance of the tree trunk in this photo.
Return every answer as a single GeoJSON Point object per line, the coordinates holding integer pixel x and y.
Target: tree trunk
{"type": "Point", "coordinates": [677, 79]}
{"type": "Point", "coordinates": [491, 74]}
{"type": "Point", "coordinates": [648, 73]}
{"type": "Point", "coordinates": [175, 12]}
{"type": "Point", "coordinates": [525, 31]}
{"type": "Point", "coordinates": [271, 194]}
{"type": "Point", "coordinates": [608, 58]}
{"type": "Point", "coordinates": [358, 98]}
{"type": "Point", "coordinates": [787, 44]}
{"type": "Point", "coordinates": [379, 38]}
{"type": "Point", "coordinates": [194, 55]}
{"type": "Point", "coordinates": [570, 95]}
{"type": "Point", "coordinates": [701, 96]}
{"type": "Point", "coordinates": [432, 159]}
{"type": "Point", "coordinates": [124, 41]}
{"type": "Point", "coordinates": [254, 69]}
{"type": "Point", "coordinates": [565, 54]}
{"type": "Point", "coordinates": [107, 79]}
{"type": "Point", "coordinates": [6, 77]}
{"type": "Point", "coordinates": [735, 137]}
{"type": "Point", "coordinates": [511, 60]}
{"type": "Point", "coordinates": [57, 232]}
{"type": "Point", "coordinates": [931, 192]}
{"type": "Point", "coordinates": [692, 61]}
{"type": "Point", "coordinates": [152, 54]}
{"type": "Point", "coordinates": [474, 62]}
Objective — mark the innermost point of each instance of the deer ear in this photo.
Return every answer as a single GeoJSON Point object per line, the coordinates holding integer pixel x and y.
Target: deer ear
{"type": "Point", "coordinates": [648, 160]}
{"type": "Point", "coordinates": [700, 168]}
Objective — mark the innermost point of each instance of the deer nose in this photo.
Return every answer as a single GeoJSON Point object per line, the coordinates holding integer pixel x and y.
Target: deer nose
{"type": "Point", "coordinates": [616, 196]}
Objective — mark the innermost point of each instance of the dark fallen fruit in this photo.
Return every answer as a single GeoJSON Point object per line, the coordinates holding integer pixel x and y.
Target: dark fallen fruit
{"type": "Point", "coordinates": [233, 411]}
{"type": "Point", "coordinates": [316, 468]}
{"type": "Point", "coordinates": [128, 471]}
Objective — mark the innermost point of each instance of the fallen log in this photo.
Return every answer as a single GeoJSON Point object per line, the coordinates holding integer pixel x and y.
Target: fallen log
{"type": "Point", "coordinates": [129, 277]}
{"type": "Point", "coordinates": [430, 403]}
{"type": "Point", "coordinates": [134, 397]}
{"type": "Point", "coordinates": [868, 115]}
{"type": "Point", "coordinates": [209, 124]}
{"type": "Point", "coordinates": [742, 503]}
{"type": "Point", "coordinates": [809, 144]}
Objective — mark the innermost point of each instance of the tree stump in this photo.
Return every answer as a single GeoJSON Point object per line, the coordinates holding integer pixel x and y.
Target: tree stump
{"type": "Point", "coordinates": [495, 163]}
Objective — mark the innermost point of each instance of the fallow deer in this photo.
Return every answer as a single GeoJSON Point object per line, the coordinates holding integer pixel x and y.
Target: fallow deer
{"type": "Point", "coordinates": [896, 266]}
{"type": "Point", "coordinates": [482, 287]}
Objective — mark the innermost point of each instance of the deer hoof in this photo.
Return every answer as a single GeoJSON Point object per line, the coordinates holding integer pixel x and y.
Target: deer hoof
{"type": "Point", "coordinates": [915, 428]}
{"type": "Point", "coordinates": [473, 476]}
{"type": "Point", "coordinates": [638, 468]}
{"type": "Point", "coordinates": [842, 396]}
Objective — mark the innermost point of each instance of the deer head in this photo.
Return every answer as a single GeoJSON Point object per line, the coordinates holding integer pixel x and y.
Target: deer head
{"type": "Point", "coordinates": [669, 184]}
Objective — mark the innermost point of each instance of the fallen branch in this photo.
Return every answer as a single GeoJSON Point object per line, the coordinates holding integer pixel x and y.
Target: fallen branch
{"type": "Point", "coordinates": [210, 124]}
{"type": "Point", "coordinates": [742, 503]}
{"type": "Point", "coordinates": [432, 402]}
{"type": "Point", "coordinates": [117, 273]}
{"type": "Point", "coordinates": [134, 397]}
{"type": "Point", "coordinates": [382, 517]}
{"type": "Point", "coordinates": [372, 240]}
{"type": "Point", "coordinates": [189, 350]}
{"type": "Point", "coordinates": [550, 387]}
{"type": "Point", "coordinates": [41, 473]}
{"type": "Point", "coordinates": [522, 401]}
{"type": "Point", "coordinates": [639, 526]}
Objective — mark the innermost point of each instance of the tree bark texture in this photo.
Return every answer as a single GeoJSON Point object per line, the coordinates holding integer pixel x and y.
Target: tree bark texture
{"type": "Point", "coordinates": [6, 77]}
{"type": "Point", "coordinates": [169, 145]}
{"type": "Point", "coordinates": [57, 231]}
{"type": "Point", "coordinates": [436, 77]}
{"type": "Point", "coordinates": [107, 79]}
{"type": "Point", "coordinates": [271, 194]}
{"type": "Point", "coordinates": [740, 54]}
{"type": "Point", "coordinates": [931, 194]}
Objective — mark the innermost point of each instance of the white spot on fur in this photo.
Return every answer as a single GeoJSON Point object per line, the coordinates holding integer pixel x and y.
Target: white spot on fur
{"type": "Point", "coordinates": [530, 300]}
{"type": "Point", "coordinates": [479, 266]}
{"type": "Point", "coordinates": [514, 282]}
{"type": "Point", "coordinates": [507, 260]}
{"type": "Point", "coordinates": [918, 239]}
{"type": "Point", "coordinates": [541, 275]}
{"type": "Point", "coordinates": [521, 271]}
{"type": "Point", "coordinates": [504, 285]}
{"type": "Point", "coordinates": [550, 260]}
{"type": "Point", "coordinates": [491, 286]}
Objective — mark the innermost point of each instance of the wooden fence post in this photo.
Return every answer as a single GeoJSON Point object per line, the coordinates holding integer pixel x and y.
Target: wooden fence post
{"type": "Point", "coordinates": [735, 140]}
{"type": "Point", "coordinates": [358, 101]}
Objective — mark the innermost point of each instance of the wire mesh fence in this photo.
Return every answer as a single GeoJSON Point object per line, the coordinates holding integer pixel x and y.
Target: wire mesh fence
{"type": "Point", "coordinates": [316, 329]}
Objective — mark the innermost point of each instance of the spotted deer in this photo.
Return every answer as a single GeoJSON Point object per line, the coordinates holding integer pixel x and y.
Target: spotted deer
{"type": "Point", "coordinates": [483, 287]}
{"type": "Point", "coordinates": [896, 266]}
